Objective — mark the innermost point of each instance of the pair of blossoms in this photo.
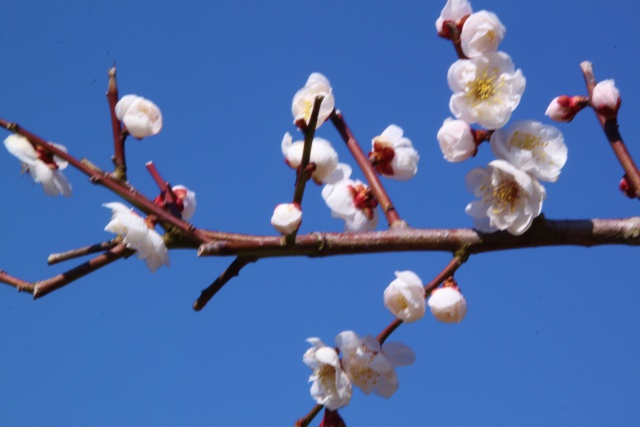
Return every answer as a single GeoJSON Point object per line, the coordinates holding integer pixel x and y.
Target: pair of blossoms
{"type": "Point", "coordinates": [141, 118]}
{"type": "Point", "coordinates": [486, 90]}
{"type": "Point", "coordinates": [391, 154]}
{"type": "Point", "coordinates": [367, 364]}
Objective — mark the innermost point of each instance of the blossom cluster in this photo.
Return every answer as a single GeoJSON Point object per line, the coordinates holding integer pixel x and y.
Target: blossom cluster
{"type": "Point", "coordinates": [486, 90]}
{"type": "Point", "coordinates": [392, 155]}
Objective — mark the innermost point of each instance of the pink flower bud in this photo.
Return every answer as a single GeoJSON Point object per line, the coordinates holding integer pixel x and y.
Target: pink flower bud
{"type": "Point", "coordinates": [287, 218]}
{"type": "Point", "coordinates": [605, 99]}
{"type": "Point", "coordinates": [564, 108]}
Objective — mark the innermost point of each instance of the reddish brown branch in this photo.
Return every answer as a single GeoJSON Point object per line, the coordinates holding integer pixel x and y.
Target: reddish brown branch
{"type": "Point", "coordinates": [610, 128]}
{"type": "Point", "coordinates": [231, 271]}
{"type": "Point", "coordinates": [378, 190]}
{"type": "Point", "coordinates": [309, 133]}
{"type": "Point", "coordinates": [19, 284]}
{"type": "Point", "coordinates": [304, 421]}
{"type": "Point", "coordinates": [87, 250]}
{"type": "Point", "coordinates": [166, 191]}
{"type": "Point", "coordinates": [44, 287]}
{"type": "Point", "coordinates": [119, 137]}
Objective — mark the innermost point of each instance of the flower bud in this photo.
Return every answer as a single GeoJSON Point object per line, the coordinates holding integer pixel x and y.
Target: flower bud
{"type": "Point", "coordinates": [456, 140]}
{"type": "Point", "coordinates": [187, 199]}
{"type": "Point", "coordinates": [481, 33]}
{"type": "Point", "coordinates": [140, 116]}
{"type": "Point", "coordinates": [331, 419]}
{"type": "Point", "coordinates": [605, 98]}
{"type": "Point", "coordinates": [404, 297]}
{"type": "Point", "coordinates": [626, 187]}
{"type": "Point", "coordinates": [448, 305]}
{"type": "Point", "coordinates": [453, 11]}
{"type": "Point", "coordinates": [564, 108]}
{"type": "Point", "coordinates": [287, 218]}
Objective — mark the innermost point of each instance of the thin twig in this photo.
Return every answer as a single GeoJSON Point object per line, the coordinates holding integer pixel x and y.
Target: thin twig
{"type": "Point", "coordinates": [231, 271]}
{"type": "Point", "coordinates": [44, 287]}
{"type": "Point", "coordinates": [309, 133]}
{"type": "Point", "coordinates": [19, 284]}
{"type": "Point", "coordinates": [119, 137]}
{"type": "Point", "coordinates": [165, 190]}
{"type": "Point", "coordinates": [610, 128]}
{"type": "Point", "coordinates": [378, 190]}
{"type": "Point", "coordinates": [79, 252]}
{"type": "Point", "coordinates": [304, 421]}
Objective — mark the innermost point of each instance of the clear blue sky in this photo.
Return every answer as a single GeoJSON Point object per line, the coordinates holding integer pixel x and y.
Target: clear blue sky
{"type": "Point", "coordinates": [551, 337]}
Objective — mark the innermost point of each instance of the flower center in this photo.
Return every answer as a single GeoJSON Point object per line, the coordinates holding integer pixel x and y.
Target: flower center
{"type": "Point", "coordinates": [530, 142]}
{"type": "Point", "coordinates": [505, 194]}
{"type": "Point", "coordinates": [308, 106]}
{"type": "Point", "coordinates": [402, 302]}
{"type": "Point", "coordinates": [484, 86]}
{"type": "Point", "coordinates": [327, 376]}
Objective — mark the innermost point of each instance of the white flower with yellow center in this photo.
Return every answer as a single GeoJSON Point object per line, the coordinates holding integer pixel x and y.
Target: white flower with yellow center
{"type": "Point", "coordinates": [486, 89]}
{"type": "Point", "coordinates": [532, 147]}
{"type": "Point", "coordinates": [404, 297]}
{"type": "Point", "coordinates": [303, 100]}
{"type": "Point", "coordinates": [370, 366]}
{"type": "Point", "coordinates": [331, 385]}
{"type": "Point", "coordinates": [140, 116]}
{"type": "Point", "coordinates": [481, 33]}
{"type": "Point", "coordinates": [43, 168]}
{"type": "Point", "coordinates": [509, 198]}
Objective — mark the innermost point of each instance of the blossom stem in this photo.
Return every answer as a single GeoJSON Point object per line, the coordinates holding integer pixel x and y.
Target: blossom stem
{"type": "Point", "coordinates": [378, 190]}
{"type": "Point", "coordinates": [119, 137]}
{"type": "Point", "coordinates": [454, 32]}
{"type": "Point", "coordinates": [304, 421]}
{"type": "Point", "coordinates": [309, 132]}
{"type": "Point", "coordinates": [231, 271]}
{"type": "Point", "coordinates": [447, 272]}
{"type": "Point", "coordinates": [166, 191]}
{"type": "Point", "coordinates": [610, 128]}
{"type": "Point", "coordinates": [79, 252]}
{"type": "Point", "coordinates": [19, 284]}
{"type": "Point", "coordinates": [98, 176]}
{"type": "Point", "coordinates": [43, 287]}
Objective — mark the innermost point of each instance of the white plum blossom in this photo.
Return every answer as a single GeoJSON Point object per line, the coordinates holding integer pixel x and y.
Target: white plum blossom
{"type": "Point", "coordinates": [454, 11]}
{"type": "Point", "coordinates": [186, 199]}
{"type": "Point", "coordinates": [393, 155]}
{"type": "Point", "coordinates": [370, 366]}
{"type": "Point", "coordinates": [137, 236]}
{"type": "Point", "coordinates": [509, 198]}
{"type": "Point", "coordinates": [140, 116]}
{"type": "Point", "coordinates": [404, 297]}
{"type": "Point", "coordinates": [43, 168]}
{"type": "Point", "coordinates": [532, 147]}
{"type": "Point", "coordinates": [303, 100]}
{"type": "Point", "coordinates": [448, 305]}
{"type": "Point", "coordinates": [606, 97]}
{"type": "Point", "coordinates": [486, 89]}
{"type": "Point", "coordinates": [457, 140]}
{"type": "Point", "coordinates": [287, 218]}
{"type": "Point", "coordinates": [322, 155]}
{"type": "Point", "coordinates": [331, 385]}
{"type": "Point", "coordinates": [350, 200]}
{"type": "Point", "coordinates": [482, 33]}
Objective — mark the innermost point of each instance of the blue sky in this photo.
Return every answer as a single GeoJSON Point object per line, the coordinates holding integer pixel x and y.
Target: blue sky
{"type": "Point", "coordinates": [551, 334]}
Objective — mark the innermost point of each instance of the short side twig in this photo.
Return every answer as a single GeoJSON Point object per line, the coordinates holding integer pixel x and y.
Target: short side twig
{"type": "Point", "coordinates": [119, 137]}
{"type": "Point", "coordinates": [231, 271]}
{"type": "Point", "coordinates": [79, 252]}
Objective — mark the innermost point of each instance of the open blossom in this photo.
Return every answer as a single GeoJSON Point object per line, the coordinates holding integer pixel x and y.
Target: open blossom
{"type": "Point", "coordinates": [509, 198]}
{"type": "Point", "coordinates": [532, 147]}
{"type": "Point", "coordinates": [454, 11]}
{"type": "Point", "coordinates": [287, 218]}
{"type": "Point", "coordinates": [331, 385]}
{"type": "Point", "coordinates": [350, 200]}
{"type": "Point", "coordinates": [404, 297]}
{"type": "Point", "coordinates": [140, 116]}
{"type": "Point", "coordinates": [137, 236]}
{"type": "Point", "coordinates": [457, 140]}
{"type": "Point", "coordinates": [43, 168]}
{"type": "Point", "coordinates": [371, 367]}
{"type": "Point", "coordinates": [486, 89]}
{"type": "Point", "coordinates": [323, 156]}
{"type": "Point", "coordinates": [302, 105]}
{"type": "Point", "coordinates": [393, 155]}
{"type": "Point", "coordinates": [481, 33]}
{"type": "Point", "coordinates": [448, 305]}
{"type": "Point", "coordinates": [606, 98]}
